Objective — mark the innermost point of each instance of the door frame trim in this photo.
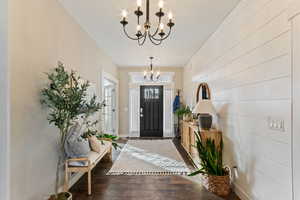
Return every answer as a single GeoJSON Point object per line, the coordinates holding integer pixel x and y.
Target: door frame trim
{"type": "Point", "coordinates": [134, 87]}
{"type": "Point", "coordinates": [5, 108]}
{"type": "Point", "coordinates": [294, 19]}
{"type": "Point", "coordinates": [110, 77]}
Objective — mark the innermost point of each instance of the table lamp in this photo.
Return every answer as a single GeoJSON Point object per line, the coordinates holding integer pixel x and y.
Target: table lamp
{"type": "Point", "coordinates": [204, 107]}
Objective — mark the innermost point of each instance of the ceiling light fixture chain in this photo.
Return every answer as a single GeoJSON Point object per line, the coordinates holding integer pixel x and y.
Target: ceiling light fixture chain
{"type": "Point", "coordinates": [159, 34]}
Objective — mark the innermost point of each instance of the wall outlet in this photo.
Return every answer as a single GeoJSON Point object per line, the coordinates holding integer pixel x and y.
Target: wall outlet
{"type": "Point", "coordinates": [276, 124]}
{"type": "Point", "coordinates": [235, 172]}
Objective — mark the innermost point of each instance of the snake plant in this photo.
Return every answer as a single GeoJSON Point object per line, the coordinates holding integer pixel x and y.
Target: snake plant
{"type": "Point", "coordinates": [210, 157]}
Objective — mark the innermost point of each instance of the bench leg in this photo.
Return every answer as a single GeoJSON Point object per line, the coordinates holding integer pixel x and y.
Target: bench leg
{"type": "Point", "coordinates": [66, 185]}
{"type": "Point", "coordinates": [108, 156]}
{"type": "Point", "coordinates": [89, 183]}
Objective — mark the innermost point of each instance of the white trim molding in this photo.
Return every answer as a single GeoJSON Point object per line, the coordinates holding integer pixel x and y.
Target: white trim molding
{"type": "Point", "coordinates": [241, 193]}
{"type": "Point", "coordinates": [136, 81]}
{"type": "Point", "coordinates": [138, 78]}
{"type": "Point", "coordinates": [108, 76]}
{"type": "Point", "coordinates": [294, 17]}
{"type": "Point", "coordinates": [4, 105]}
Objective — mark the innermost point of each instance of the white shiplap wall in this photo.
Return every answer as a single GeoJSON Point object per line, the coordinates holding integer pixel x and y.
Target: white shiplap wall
{"type": "Point", "coordinates": [247, 63]}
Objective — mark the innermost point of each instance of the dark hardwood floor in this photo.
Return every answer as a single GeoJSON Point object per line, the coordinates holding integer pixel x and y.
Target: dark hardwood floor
{"type": "Point", "coordinates": [141, 187]}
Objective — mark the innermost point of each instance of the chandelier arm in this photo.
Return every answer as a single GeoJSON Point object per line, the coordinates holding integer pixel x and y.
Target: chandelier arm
{"type": "Point", "coordinates": [161, 39]}
{"type": "Point", "coordinates": [145, 37]}
{"type": "Point", "coordinates": [138, 20]}
{"type": "Point", "coordinates": [157, 29]}
{"type": "Point", "coordinates": [153, 41]}
{"type": "Point", "coordinates": [132, 38]}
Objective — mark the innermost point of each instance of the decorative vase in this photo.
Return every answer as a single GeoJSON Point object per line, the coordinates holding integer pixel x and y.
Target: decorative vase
{"type": "Point", "coordinates": [205, 121]}
{"type": "Point", "coordinates": [219, 185]}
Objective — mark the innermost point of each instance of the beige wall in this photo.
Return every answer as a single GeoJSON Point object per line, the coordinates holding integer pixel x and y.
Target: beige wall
{"type": "Point", "coordinates": [247, 63]}
{"type": "Point", "coordinates": [41, 33]}
{"type": "Point", "coordinates": [124, 91]}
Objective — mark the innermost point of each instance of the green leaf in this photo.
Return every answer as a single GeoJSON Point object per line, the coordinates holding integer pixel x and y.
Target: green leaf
{"type": "Point", "coordinates": [196, 173]}
{"type": "Point", "coordinates": [210, 156]}
{"type": "Point", "coordinates": [65, 98]}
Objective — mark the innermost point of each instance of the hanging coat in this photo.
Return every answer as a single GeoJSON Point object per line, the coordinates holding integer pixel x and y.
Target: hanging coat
{"type": "Point", "coordinates": [176, 103]}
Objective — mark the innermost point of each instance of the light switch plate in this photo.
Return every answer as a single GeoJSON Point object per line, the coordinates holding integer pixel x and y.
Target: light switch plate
{"type": "Point", "coordinates": [276, 124]}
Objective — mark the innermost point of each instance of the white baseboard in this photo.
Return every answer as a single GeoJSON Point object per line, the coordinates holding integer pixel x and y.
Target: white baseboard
{"type": "Point", "coordinates": [241, 193]}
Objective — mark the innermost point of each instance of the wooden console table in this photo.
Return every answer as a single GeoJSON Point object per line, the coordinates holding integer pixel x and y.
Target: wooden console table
{"type": "Point", "coordinates": [188, 139]}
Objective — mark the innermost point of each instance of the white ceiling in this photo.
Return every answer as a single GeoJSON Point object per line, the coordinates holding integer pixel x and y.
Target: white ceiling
{"type": "Point", "coordinates": [195, 21]}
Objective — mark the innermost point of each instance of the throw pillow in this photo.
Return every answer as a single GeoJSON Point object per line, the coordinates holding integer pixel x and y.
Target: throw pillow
{"type": "Point", "coordinates": [94, 144]}
{"type": "Point", "coordinates": [76, 146]}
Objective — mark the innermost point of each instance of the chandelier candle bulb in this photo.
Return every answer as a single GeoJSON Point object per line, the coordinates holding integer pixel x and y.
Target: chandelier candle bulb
{"type": "Point", "coordinates": [124, 14]}
{"type": "Point", "coordinates": [161, 4]}
{"type": "Point", "coordinates": [170, 15]}
{"type": "Point", "coordinates": [138, 27]}
{"type": "Point", "coordinates": [139, 3]}
{"type": "Point", "coordinates": [161, 26]}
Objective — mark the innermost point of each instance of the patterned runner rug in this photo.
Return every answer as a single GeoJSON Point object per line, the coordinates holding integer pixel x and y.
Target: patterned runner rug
{"type": "Point", "coordinates": [149, 157]}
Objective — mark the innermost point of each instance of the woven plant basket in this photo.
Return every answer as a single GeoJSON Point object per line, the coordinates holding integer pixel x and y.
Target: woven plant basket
{"type": "Point", "coordinates": [106, 139]}
{"type": "Point", "coordinates": [219, 185]}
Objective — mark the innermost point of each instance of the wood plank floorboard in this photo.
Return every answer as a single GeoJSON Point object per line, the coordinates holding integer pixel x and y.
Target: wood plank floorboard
{"type": "Point", "coordinates": [141, 187]}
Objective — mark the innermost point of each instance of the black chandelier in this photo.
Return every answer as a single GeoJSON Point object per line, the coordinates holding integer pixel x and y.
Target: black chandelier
{"type": "Point", "coordinates": [151, 74]}
{"type": "Point", "coordinates": [159, 34]}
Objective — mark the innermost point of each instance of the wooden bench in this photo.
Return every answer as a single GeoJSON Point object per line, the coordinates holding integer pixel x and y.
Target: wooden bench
{"type": "Point", "coordinates": [91, 161]}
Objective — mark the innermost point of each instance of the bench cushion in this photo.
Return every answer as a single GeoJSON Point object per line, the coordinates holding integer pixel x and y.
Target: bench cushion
{"type": "Point", "coordinates": [95, 157]}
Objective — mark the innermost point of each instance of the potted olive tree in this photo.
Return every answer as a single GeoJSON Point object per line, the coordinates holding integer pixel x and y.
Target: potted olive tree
{"type": "Point", "coordinates": [215, 176]}
{"type": "Point", "coordinates": [66, 99]}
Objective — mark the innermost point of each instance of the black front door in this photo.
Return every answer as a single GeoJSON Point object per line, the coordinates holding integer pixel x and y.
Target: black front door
{"type": "Point", "coordinates": [151, 111]}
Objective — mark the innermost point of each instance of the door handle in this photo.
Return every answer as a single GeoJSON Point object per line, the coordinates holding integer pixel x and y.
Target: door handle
{"type": "Point", "coordinates": [141, 112]}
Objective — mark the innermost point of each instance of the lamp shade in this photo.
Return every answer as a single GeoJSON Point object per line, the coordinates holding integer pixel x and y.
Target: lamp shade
{"type": "Point", "coordinates": [204, 106]}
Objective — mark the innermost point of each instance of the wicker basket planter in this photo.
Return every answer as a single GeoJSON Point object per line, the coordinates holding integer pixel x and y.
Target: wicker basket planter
{"type": "Point", "coordinates": [219, 185]}
{"type": "Point", "coordinates": [106, 139]}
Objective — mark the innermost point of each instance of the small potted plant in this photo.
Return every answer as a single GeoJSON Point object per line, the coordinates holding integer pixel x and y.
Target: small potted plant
{"type": "Point", "coordinates": [215, 176]}
{"type": "Point", "coordinates": [184, 112]}
{"type": "Point", "coordinates": [92, 130]}
{"type": "Point", "coordinates": [102, 136]}
{"type": "Point", "coordinates": [107, 137]}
